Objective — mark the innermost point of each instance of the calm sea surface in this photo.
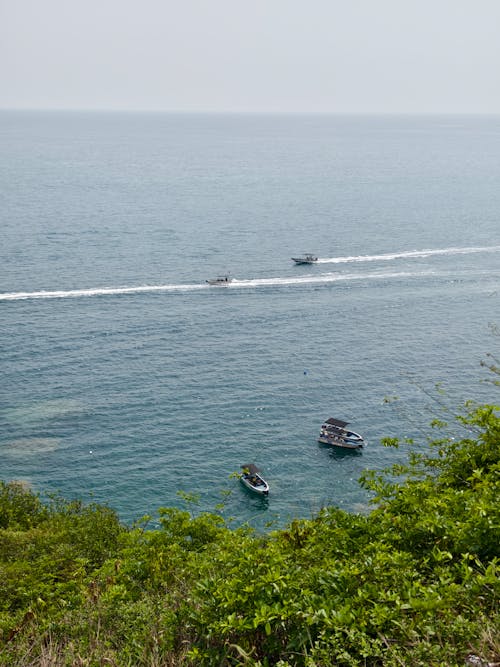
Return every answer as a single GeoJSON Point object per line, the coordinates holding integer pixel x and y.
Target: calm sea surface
{"type": "Point", "coordinates": [126, 378]}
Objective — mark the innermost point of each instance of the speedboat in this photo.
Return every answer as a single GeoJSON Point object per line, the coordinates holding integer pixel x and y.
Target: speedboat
{"type": "Point", "coordinates": [221, 281]}
{"type": "Point", "coordinates": [252, 480]}
{"type": "Point", "coordinates": [333, 432]}
{"type": "Point", "coordinates": [306, 259]}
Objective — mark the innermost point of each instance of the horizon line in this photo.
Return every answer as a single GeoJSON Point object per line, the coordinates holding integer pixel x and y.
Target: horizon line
{"type": "Point", "coordinates": [315, 112]}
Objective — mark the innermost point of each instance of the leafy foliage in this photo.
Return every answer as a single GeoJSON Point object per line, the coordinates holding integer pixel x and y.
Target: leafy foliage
{"type": "Point", "coordinates": [415, 582]}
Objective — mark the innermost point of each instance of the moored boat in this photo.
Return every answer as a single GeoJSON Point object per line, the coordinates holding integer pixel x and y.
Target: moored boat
{"type": "Point", "coordinates": [253, 480]}
{"type": "Point", "coordinates": [333, 432]}
{"type": "Point", "coordinates": [306, 259]}
{"type": "Point", "coordinates": [221, 281]}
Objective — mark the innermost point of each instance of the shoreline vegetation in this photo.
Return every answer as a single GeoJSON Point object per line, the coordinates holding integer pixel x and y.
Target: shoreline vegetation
{"type": "Point", "coordinates": [414, 582]}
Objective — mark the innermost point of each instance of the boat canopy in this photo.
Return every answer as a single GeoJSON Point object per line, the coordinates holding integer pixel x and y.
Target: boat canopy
{"type": "Point", "coordinates": [250, 468]}
{"type": "Point", "coordinates": [336, 422]}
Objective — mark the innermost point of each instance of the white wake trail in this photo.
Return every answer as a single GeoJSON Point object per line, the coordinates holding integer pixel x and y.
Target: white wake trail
{"type": "Point", "coordinates": [255, 282]}
{"type": "Point", "coordinates": [329, 278]}
{"type": "Point", "coordinates": [95, 291]}
{"type": "Point", "coordinates": [407, 255]}
{"type": "Point", "coordinates": [235, 284]}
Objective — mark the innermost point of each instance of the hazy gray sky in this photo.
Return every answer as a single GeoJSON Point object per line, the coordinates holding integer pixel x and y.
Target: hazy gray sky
{"type": "Point", "coordinates": [253, 55]}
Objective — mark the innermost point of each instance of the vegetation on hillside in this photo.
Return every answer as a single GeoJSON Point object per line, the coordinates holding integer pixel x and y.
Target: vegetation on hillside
{"type": "Point", "coordinates": [415, 582]}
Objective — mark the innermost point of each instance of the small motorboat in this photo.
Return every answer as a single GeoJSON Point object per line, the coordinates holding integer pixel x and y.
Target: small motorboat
{"type": "Point", "coordinates": [252, 480]}
{"type": "Point", "coordinates": [221, 281]}
{"type": "Point", "coordinates": [306, 259]}
{"type": "Point", "coordinates": [333, 432]}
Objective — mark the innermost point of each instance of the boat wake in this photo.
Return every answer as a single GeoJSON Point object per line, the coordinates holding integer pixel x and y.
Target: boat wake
{"type": "Point", "coordinates": [407, 255]}
{"type": "Point", "coordinates": [324, 278]}
{"type": "Point", "coordinates": [310, 279]}
{"type": "Point", "coordinates": [95, 291]}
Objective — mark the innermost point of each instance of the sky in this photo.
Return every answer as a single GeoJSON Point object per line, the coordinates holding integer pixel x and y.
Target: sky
{"type": "Point", "coordinates": [343, 56]}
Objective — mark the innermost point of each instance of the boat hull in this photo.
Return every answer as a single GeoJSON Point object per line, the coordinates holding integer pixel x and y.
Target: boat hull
{"type": "Point", "coordinates": [334, 433]}
{"type": "Point", "coordinates": [260, 487]}
{"type": "Point", "coordinates": [218, 282]}
{"type": "Point", "coordinates": [338, 442]}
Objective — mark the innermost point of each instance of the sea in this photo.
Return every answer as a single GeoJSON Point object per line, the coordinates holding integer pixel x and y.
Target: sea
{"type": "Point", "coordinates": [126, 379]}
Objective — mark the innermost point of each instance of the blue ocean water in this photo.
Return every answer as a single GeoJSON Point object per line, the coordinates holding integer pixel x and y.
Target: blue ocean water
{"type": "Point", "coordinates": [126, 378]}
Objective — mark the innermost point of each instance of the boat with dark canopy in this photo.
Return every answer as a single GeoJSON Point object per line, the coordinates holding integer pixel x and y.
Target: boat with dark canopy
{"type": "Point", "coordinates": [253, 480]}
{"type": "Point", "coordinates": [333, 432]}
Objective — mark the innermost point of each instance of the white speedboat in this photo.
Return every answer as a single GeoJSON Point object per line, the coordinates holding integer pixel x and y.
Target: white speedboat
{"type": "Point", "coordinates": [253, 481]}
{"type": "Point", "coordinates": [221, 281]}
{"type": "Point", "coordinates": [306, 259]}
{"type": "Point", "coordinates": [333, 432]}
